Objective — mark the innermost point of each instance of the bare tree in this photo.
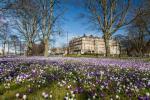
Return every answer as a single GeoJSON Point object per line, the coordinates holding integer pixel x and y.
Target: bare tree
{"type": "Point", "coordinates": [135, 40]}
{"type": "Point", "coordinates": [49, 16]}
{"type": "Point", "coordinates": [144, 18]}
{"type": "Point", "coordinates": [26, 21]}
{"type": "Point", "coordinates": [108, 16]}
{"type": "Point", "coordinates": [138, 35]}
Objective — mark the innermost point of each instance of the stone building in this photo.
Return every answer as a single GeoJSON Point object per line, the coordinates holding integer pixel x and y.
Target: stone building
{"type": "Point", "coordinates": [91, 44]}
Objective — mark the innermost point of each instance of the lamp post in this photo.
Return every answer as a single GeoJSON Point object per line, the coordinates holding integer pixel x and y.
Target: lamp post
{"type": "Point", "coordinates": [20, 48]}
{"type": "Point", "coordinates": [67, 45]}
{"type": "Point", "coordinates": [8, 48]}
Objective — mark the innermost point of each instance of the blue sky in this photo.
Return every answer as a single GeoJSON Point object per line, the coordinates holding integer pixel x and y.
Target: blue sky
{"type": "Point", "coordinates": [77, 27]}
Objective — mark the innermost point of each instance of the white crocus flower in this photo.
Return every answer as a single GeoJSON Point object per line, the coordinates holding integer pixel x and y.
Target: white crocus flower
{"type": "Point", "coordinates": [17, 95]}
{"type": "Point", "coordinates": [117, 97]}
{"type": "Point", "coordinates": [24, 97]}
{"type": "Point", "coordinates": [148, 94]}
{"type": "Point", "coordinates": [46, 96]}
{"type": "Point", "coordinates": [43, 93]}
{"type": "Point", "coordinates": [50, 96]}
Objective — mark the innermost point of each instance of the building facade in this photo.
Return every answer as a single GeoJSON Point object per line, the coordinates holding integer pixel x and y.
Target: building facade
{"type": "Point", "coordinates": [91, 44]}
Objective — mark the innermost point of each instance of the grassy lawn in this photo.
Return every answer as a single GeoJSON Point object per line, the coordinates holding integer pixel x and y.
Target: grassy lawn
{"type": "Point", "coordinates": [146, 59]}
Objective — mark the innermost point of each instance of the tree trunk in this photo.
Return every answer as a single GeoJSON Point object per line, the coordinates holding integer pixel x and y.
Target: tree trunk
{"type": "Point", "coordinates": [4, 49]}
{"type": "Point", "coordinates": [20, 48]}
{"type": "Point", "coordinates": [8, 48]}
{"type": "Point", "coordinates": [120, 52]}
{"type": "Point", "coordinates": [107, 47]}
{"type": "Point", "coordinates": [15, 48]}
{"type": "Point", "coordinates": [140, 53]}
{"type": "Point", "coordinates": [29, 48]}
{"type": "Point", "coordinates": [46, 47]}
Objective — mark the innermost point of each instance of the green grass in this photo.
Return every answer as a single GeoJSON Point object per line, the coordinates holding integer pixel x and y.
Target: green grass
{"type": "Point", "coordinates": [83, 55]}
{"type": "Point", "coordinates": [146, 59]}
{"type": "Point", "coordinates": [57, 92]}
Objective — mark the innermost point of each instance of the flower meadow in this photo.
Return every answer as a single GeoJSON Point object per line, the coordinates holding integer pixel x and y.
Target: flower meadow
{"type": "Point", "coordinates": [62, 78]}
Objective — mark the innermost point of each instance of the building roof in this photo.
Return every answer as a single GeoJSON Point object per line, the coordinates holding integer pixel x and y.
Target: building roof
{"type": "Point", "coordinates": [90, 36]}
